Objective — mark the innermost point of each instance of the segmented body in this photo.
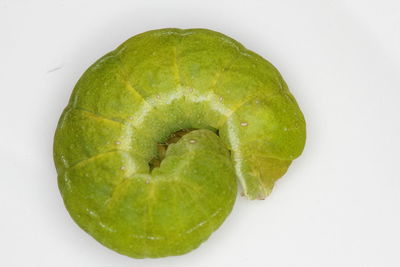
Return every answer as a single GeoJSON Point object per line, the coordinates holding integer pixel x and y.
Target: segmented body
{"type": "Point", "coordinates": [134, 98]}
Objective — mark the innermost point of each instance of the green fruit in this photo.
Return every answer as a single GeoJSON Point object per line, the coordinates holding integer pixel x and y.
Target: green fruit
{"type": "Point", "coordinates": [157, 131]}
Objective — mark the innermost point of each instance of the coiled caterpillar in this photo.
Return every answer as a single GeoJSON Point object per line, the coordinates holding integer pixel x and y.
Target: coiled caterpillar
{"type": "Point", "coordinates": [157, 132]}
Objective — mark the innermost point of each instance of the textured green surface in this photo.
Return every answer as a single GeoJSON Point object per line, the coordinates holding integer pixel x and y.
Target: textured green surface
{"type": "Point", "coordinates": [135, 97]}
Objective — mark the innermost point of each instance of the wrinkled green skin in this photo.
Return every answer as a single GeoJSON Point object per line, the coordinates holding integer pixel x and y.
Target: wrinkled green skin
{"type": "Point", "coordinates": [250, 128]}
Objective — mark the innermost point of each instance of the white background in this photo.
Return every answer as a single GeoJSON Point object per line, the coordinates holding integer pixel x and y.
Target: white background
{"type": "Point", "coordinates": [339, 204]}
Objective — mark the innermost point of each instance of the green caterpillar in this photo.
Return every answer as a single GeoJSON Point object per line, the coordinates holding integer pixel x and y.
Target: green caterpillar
{"type": "Point", "coordinates": [157, 132]}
